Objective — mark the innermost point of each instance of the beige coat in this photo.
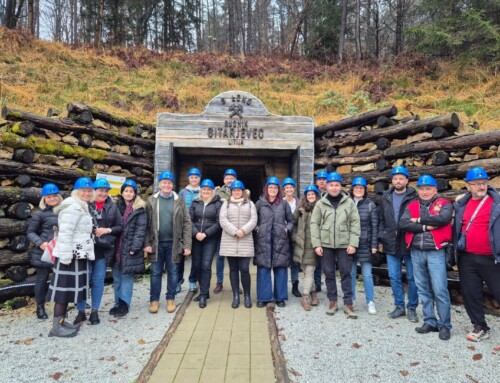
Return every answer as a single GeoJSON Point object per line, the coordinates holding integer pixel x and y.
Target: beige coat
{"type": "Point", "coordinates": [235, 216]}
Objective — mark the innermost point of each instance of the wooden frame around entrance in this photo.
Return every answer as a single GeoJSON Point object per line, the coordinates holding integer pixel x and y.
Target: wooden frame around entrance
{"type": "Point", "coordinates": [237, 123]}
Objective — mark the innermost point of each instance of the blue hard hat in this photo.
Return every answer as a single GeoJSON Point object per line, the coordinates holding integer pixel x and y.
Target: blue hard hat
{"type": "Point", "coordinates": [166, 175]}
{"type": "Point", "coordinates": [101, 183]}
{"type": "Point", "coordinates": [289, 181]}
{"type": "Point", "coordinates": [400, 170]}
{"type": "Point", "coordinates": [312, 188]}
{"type": "Point", "coordinates": [194, 172]}
{"type": "Point", "coordinates": [322, 174]}
{"type": "Point", "coordinates": [334, 177]}
{"type": "Point", "coordinates": [273, 181]}
{"type": "Point", "coordinates": [476, 173]}
{"type": "Point", "coordinates": [426, 180]}
{"type": "Point", "coordinates": [237, 185]}
{"type": "Point", "coordinates": [207, 183]}
{"type": "Point", "coordinates": [230, 172]}
{"type": "Point", "coordinates": [83, 183]}
{"type": "Point", "coordinates": [49, 189]}
{"type": "Point", "coordinates": [359, 181]}
{"type": "Point", "coordinates": [130, 183]}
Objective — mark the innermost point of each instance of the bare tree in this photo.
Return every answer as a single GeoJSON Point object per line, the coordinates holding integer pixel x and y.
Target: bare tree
{"type": "Point", "coordinates": [343, 22]}
{"type": "Point", "coordinates": [357, 31]}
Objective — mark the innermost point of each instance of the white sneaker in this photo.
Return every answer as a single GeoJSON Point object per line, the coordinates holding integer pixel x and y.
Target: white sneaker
{"type": "Point", "coordinates": [371, 308]}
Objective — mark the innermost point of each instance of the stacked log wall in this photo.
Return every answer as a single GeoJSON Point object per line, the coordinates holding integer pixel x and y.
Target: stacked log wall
{"type": "Point", "coordinates": [36, 149]}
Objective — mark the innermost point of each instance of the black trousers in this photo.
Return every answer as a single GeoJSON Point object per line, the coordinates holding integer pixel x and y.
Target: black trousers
{"type": "Point", "coordinates": [345, 265]}
{"type": "Point", "coordinates": [473, 271]}
{"type": "Point", "coordinates": [41, 285]}
{"type": "Point", "coordinates": [239, 265]}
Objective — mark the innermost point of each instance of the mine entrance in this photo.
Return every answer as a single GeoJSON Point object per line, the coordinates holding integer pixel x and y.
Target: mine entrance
{"type": "Point", "coordinates": [236, 131]}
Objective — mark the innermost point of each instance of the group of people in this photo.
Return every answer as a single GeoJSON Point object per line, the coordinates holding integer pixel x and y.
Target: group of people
{"type": "Point", "coordinates": [327, 228]}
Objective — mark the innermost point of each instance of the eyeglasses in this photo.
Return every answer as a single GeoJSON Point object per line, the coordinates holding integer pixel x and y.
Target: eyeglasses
{"type": "Point", "coordinates": [478, 184]}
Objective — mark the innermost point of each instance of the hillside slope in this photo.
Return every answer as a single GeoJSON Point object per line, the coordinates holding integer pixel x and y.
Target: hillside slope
{"type": "Point", "coordinates": [36, 75]}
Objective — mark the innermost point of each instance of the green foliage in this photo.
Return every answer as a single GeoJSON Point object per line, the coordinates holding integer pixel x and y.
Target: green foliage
{"type": "Point", "coordinates": [451, 104]}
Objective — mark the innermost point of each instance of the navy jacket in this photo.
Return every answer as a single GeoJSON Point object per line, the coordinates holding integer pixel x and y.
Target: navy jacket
{"type": "Point", "coordinates": [40, 230]}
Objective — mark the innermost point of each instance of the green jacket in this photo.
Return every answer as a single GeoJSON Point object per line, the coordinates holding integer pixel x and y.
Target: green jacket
{"type": "Point", "coordinates": [303, 251]}
{"type": "Point", "coordinates": [335, 228]}
{"type": "Point", "coordinates": [182, 227]}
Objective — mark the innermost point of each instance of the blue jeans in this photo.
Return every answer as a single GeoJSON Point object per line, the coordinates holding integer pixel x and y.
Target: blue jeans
{"type": "Point", "coordinates": [394, 264]}
{"type": "Point", "coordinates": [294, 266]}
{"type": "Point", "coordinates": [265, 287]}
{"type": "Point", "coordinates": [317, 271]}
{"type": "Point", "coordinates": [97, 274]}
{"type": "Point", "coordinates": [219, 265]}
{"type": "Point", "coordinates": [203, 254]}
{"type": "Point", "coordinates": [163, 261]}
{"type": "Point", "coordinates": [366, 272]}
{"type": "Point", "coordinates": [123, 284]}
{"type": "Point", "coordinates": [429, 269]}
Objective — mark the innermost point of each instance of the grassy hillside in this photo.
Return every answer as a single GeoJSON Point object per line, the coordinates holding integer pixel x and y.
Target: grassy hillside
{"type": "Point", "coordinates": [36, 75]}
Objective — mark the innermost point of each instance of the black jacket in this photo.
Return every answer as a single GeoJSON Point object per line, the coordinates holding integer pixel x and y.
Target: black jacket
{"type": "Point", "coordinates": [369, 220]}
{"type": "Point", "coordinates": [494, 224]}
{"type": "Point", "coordinates": [205, 219]}
{"type": "Point", "coordinates": [40, 230]}
{"type": "Point", "coordinates": [274, 222]}
{"type": "Point", "coordinates": [109, 217]}
{"type": "Point", "coordinates": [132, 237]}
{"type": "Point", "coordinates": [391, 237]}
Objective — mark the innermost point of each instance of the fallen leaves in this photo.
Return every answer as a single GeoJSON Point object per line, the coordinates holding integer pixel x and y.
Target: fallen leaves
{"type": "Point", "coordinates": [27, 342]}
{"type": "Point", "coordinates": [413, 364]}
{"type": "Point", "coordinates": [472, 348]}
{"type": "Point", "coordinates": [355, 345]}
{"type": "Point", "coordinates": [141, 341]}
{"type": "Point", "coordinates": [404, 372]}
{"type": "Point", "coordinates": [477, 357]}
{"type": "Point", "coordinates": [56, 376]}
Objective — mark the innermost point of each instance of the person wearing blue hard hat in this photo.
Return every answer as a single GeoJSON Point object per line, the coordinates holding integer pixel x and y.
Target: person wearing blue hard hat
{"type": "Point", "coordinates": [238, 218]}
{"type": "Point", "coordinates": [168, 239]}
{"type": "Point", "coordinates": [40, 232]}
{"type": "Point", "coordinates": [108, 225]}
{"type": "Point", "coordinates": [189, 193]}
{"type": "Point", "coordinates": [129, 253]}
{"type": "Point", "coordinates": [204, 213]}
{"type": "Point", "coordinates": [368, 241]}
{"type": "Point", "coordinates": [73, 250]}
{"type": "Point", "coordinates": [275, 222]}
{"type": "Point", "coordinates": [477, 243]}
{"type": "Point", "coordinates": [303, 252]}
{"type": "Point", "coordinates": [224, 192]}
{"type": "Point", "coordinates": [394, 200]}
{"type": "Point", "coordinates": [427, 223]}
{"type": "Point", "coordinates": [289, 186]}
{"type": "Point", "coordinates": [335, 231]}
{"type": "Point", "coordinates": [321, 181]}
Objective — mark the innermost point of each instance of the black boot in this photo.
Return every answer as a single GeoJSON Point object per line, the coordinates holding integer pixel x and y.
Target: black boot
{"type": "Point", "coordinates": [80, 318]}
{"type": "Point", "coordinates": [236, 301]}
{"type": "Point", "coordinates": [248, 301]}
{"type": "Point", "coordinates": [61, 331]}
{"type": "Point", "coordinates": [295, 289]}
{"type": "Point", "coordinates": [94, 317]}
{"type": "Point", "coordinates": [202, 302]}
{"type": "Point", "coordinates": [40, 312]}
{"type": "Point", "coordinates": [121, 310]}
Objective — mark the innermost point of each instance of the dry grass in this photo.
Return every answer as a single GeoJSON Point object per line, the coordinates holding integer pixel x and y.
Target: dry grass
{"type": "Point", "coordinates": [36, 75]}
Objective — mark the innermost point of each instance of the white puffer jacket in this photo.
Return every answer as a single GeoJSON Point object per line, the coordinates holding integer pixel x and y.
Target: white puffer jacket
{"type": "Point", "coordinates": [235, 216]}
{"type": "Point", "coordinates": [74, 239]}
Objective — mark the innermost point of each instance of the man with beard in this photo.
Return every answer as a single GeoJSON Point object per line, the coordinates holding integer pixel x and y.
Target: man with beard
{"type": "Point", "coordinates": [392, 238]}
{"type": "Point", "coordinates": [477, 219]}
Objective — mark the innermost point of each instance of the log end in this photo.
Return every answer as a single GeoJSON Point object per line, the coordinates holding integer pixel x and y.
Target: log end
{"type": "Point", "coordinates": [455, 121]}
{"type": "Point", "coordinates": [394, 110]}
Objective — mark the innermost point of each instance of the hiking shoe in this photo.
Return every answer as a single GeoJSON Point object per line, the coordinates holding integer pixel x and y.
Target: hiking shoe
{"type": "Point", "coordinates": [478, 334]}
{"type": "Point", "coordinates": [280, 303]}
{"type": "Point", "coordinates": [332, 308]}
{"type": "Point", "coordinates": [397, 312]}
{"type": "Point", "coordinates": [178, 289]}
{"type": "Point", "coordinates": [114, 310]}
{"type": "Point", "coordinates": [314, 299]}
{"type": "Point", "coordinates": [349, 311]}
{"type": "Point", "coordinates": [426, 328]}
{"type": "Point", "coordinates": [371, 308]}
{"type": "Point", "coordinates": [170, 306]}
{"type": "Point", "coordinates": [153, 307]}
{"type": "Point", "coordinates": [192, 287]}
{"type": "Point", "coordinates": [261, 304]}
{"type": "Point", "coordinates": [444, 333]}
{"type": "Point", "coordinates": [218, 288]}
{"type": "Point", "coordinates": [94, 318]}
{"type": "Point", "coordinates": [412, 315]}
{"type": "Point", "coordinates": [305, 303]}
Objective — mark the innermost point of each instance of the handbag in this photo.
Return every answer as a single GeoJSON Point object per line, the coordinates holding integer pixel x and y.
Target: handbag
{"type": "Point", "coordinates": [105, 242]}
{"type": "Point", "coordinates": [461, 238]}
{"type": "Point", "coordinates": [47, 255]}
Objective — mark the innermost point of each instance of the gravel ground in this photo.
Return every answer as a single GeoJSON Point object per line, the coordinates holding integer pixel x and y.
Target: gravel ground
{"type": "Point", "coordinates": [116, 350]}
{"type": "Point", "coordinates": [374, 348]}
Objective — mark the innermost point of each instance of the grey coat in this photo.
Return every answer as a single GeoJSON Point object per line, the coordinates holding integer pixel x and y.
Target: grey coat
{"type": "Point", "coordinates": [235, 216]}
{"type": "Point", "coordinates": [303, 251]}
{"type": "Point", "coordinates": [182, 227]}
{"type": "Point", "coordinates": [275, 222]}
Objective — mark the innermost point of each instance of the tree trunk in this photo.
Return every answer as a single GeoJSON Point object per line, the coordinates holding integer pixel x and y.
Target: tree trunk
{"type": "Point", "coordinates": [12, 227]}
{"type": "Point", "coordinates": [11, 195]}
{"type": "Point", "coordinates": [342, 33]}
{"type": "Point", "coordinates": [357, 31]}
{"type": "Point", "coordinates": [368, 118]}
{"type": "Point", "coordinates": [398, 45]}
{"type": "Point", "coordinates": [99, 25]}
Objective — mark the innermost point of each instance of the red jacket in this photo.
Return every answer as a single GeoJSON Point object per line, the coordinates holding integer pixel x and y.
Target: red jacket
{"type": "Point", "coordinates": [440, 235]}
